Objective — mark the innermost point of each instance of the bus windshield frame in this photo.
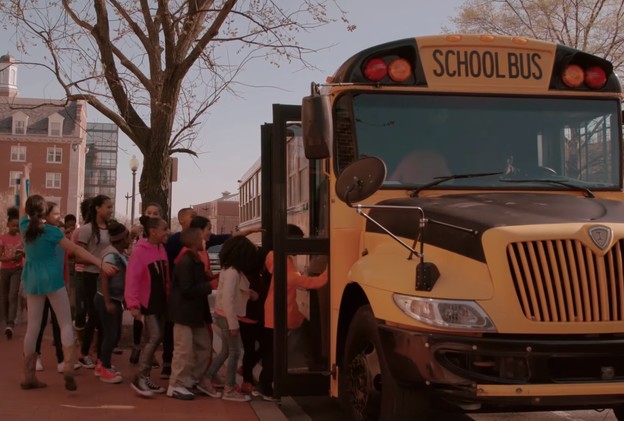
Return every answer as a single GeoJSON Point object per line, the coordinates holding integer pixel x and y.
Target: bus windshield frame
{"type": "Point", "coordinates": [574, 140]}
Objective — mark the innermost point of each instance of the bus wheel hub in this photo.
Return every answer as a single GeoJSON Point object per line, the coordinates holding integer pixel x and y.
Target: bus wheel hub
{"type": "Point", "coordinates": [364, 381]}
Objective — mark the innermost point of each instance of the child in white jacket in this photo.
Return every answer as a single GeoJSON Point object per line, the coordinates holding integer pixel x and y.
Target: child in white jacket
{"type": "Point", "coordinates": [238, 256]}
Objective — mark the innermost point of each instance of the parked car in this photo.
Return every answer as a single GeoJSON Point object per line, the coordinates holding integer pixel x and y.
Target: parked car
{"type": "Point", "coordinates": [213, 255]}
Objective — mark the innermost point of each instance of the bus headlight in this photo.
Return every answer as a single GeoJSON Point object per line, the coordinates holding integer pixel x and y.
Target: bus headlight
{"type": "Point", "coordinates": [448, 314]}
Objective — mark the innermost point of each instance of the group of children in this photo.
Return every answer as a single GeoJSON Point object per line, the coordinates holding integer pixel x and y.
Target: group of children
{"type": "Point", "coordinates": [164, 281]}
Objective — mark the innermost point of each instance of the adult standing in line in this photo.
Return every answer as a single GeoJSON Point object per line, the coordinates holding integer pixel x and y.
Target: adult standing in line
{"type": "Point", "coordinates": [93, 237]}
{"type": "Point", "coordinates": [42, 278]}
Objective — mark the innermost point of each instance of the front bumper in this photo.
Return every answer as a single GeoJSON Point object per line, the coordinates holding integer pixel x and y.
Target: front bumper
{"type": "Point", "coordinates": [527, 371]}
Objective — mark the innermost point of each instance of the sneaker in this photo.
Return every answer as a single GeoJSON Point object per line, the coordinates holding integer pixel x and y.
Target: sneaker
{"type": "Point", "coordinates": [134, 355]}
{"type": "Point", "coordinates": [86, 362]}
{"type": "Point", "coordinates": [117, 351]}
{"type": "Point", "coordinates": [246, 388]}
{"type": "Point", "coordinates": [153, 386]}
{"type": "Point", "coordinates": [109, 375]}
{"type": "Point", "coordinates": [38, 364]}
{"type": "Point", "coordinates": [166, 371]}
{"type": "Point", "coordinates": [217, 384]}
{"type": "Point", "coordinates": [265, 397]}
{"type": "Point", "coordinates": [8, 332]}
{"type": "Point", "coordinates": [155, 364]}
{"type": "Point", "coordinates": [98, 368]}
{"type": "Point", "coordinates": [269, 398]}
{"type": "Point", "coordinates": [139, 384]}
{"type": "Point", "coordinates": [180, 392]}
{"type": "Point", "coordinates": [208, 390]}
{"type": "Point", "coordinates": [235, 395]}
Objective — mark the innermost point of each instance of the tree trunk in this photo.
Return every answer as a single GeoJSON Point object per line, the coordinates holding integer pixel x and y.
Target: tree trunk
{"type": "Point", "coordinates": [154, 184]}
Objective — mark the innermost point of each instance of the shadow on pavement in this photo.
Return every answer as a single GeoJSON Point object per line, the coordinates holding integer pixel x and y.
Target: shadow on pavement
{"type": "Point", "coordinates": [322, 408]}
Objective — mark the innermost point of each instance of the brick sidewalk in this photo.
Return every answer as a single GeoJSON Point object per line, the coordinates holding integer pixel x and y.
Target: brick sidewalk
{"type": "Point", "coordinates": [95, 400]}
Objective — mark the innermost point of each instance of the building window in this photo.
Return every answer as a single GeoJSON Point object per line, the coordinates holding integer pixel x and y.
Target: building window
{"type": "Point", "coordinates": [53, 180]}
{"type": "Point", "coordinates": [55, 155]}
{"type": "Point", "coordinates": [18, 153]}
{"type": "Point", "coordinates": [55, 125]}
{"type": "Point", "coordinates": [13, 177]}
{"type": "Point", "coordinates": [55, 128]}
{"type": "Point", "coordinates": [19, 125]}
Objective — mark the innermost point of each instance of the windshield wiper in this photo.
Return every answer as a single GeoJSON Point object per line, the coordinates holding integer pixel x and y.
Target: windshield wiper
{"type": "Point", "coordinates": [585, 190]}
{"type": "Point", "coordinates": [440, 180]}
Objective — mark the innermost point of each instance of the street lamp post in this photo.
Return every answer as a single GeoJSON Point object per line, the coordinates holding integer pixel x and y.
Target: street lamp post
{"type": "Point", "coordinates": [127, 196]}
{"type": "Point", "coordinates": [134, 166]}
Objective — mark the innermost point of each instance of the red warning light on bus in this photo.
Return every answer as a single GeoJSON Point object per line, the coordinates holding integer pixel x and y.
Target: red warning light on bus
{"type": "Point", "coordinates": [595, 77]}
{"type": "Point", "coordinates": [375, 69]}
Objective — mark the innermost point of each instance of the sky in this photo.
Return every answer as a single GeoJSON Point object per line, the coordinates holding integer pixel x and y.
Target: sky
{"type": "Point", "coordinates": [229, 140]}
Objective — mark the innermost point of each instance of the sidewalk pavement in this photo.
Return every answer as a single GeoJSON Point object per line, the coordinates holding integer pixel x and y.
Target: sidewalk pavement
{"type": "Point", "coordinates": [95, 400]}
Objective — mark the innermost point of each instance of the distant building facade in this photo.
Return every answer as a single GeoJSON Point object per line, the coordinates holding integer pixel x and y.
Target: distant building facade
{"type": "Point", "coordinates": [250, 210]}
{"type": "Point", "coordinates": [101, 161]}
{"type": "Point", "coordinates": [49, 134]}
{"type": "Point", "coordinates": [222, 212]}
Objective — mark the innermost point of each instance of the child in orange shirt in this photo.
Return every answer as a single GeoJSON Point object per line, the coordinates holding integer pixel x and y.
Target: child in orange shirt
{"type": "Point", "coordinates": [294, 318]}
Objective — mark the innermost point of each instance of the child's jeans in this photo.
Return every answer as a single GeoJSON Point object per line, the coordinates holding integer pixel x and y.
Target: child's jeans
{"type": "Point", "coordinates": [9, 293]}
{"type": "Point", "coordinates": [192, 350]}
{"type": "Point", "coordinates": [110, 326]}
{"type": "Point", "coordinates": [154, 323]}
{"type": "Point", "coordinates": [231, 346]}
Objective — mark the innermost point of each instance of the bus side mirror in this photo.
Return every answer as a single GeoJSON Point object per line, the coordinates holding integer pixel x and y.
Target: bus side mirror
{"type": "Point", "coordinates": [360, 179]}
{"type": "Point", "coordinates": [316, 125]}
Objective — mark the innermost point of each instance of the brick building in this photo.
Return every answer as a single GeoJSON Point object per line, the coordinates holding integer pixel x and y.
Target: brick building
{"type": "Point", "coordinates": [50, 134]}
{"type": "Point", "coordinates": [222, 212]}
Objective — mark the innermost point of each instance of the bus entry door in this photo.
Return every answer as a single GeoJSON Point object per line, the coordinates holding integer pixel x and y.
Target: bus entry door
{"type": "Point", "coordinates": [295, 221]}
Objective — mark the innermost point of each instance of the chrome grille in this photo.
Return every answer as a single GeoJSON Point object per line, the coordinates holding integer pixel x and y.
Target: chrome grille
{"type": "Point", "coordinates": [564, 281]}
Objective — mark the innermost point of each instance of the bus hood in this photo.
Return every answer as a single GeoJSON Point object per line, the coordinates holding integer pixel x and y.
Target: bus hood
{"type": "Point", "coordinates": [457, 222]}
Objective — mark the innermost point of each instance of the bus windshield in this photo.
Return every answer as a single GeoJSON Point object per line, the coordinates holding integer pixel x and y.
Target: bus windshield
{"type": "Point", "coordinates": [525, 139]}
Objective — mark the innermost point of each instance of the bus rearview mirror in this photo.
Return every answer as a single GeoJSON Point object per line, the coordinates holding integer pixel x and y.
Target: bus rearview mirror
{"type": "Point", "coordinates": [316, 125]}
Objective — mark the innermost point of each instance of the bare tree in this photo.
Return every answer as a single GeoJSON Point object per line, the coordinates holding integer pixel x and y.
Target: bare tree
{"type": "Point", "coordinates": [154, 67]}
{"type": "Point", "coordinates": [595, 26]}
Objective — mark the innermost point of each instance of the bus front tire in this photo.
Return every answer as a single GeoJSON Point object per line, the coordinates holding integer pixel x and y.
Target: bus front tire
{"type": "Point", "coordinates": [367, 390]}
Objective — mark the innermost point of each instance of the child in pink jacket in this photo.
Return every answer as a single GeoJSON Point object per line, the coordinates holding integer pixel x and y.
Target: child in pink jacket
{"type": "Point", "coordinates": [147, 280]}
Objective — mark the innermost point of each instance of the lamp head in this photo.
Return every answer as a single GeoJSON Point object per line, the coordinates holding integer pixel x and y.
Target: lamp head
{"type": "Point", "coordinates": [134, 163]}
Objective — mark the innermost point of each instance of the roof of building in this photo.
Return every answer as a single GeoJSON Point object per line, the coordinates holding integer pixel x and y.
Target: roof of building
{"type": "Point", "coordinates": [7, 58]}
{"type": "Point", "coordinates": [38, 111]}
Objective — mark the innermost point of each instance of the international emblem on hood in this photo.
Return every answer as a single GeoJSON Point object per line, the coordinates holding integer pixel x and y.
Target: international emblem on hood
{"type": "Point", "coordinates": [601, 236]}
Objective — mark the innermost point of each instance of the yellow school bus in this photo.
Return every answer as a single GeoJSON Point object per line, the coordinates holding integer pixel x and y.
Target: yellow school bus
{"type": "Point", "coordinates": [466, 191]}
